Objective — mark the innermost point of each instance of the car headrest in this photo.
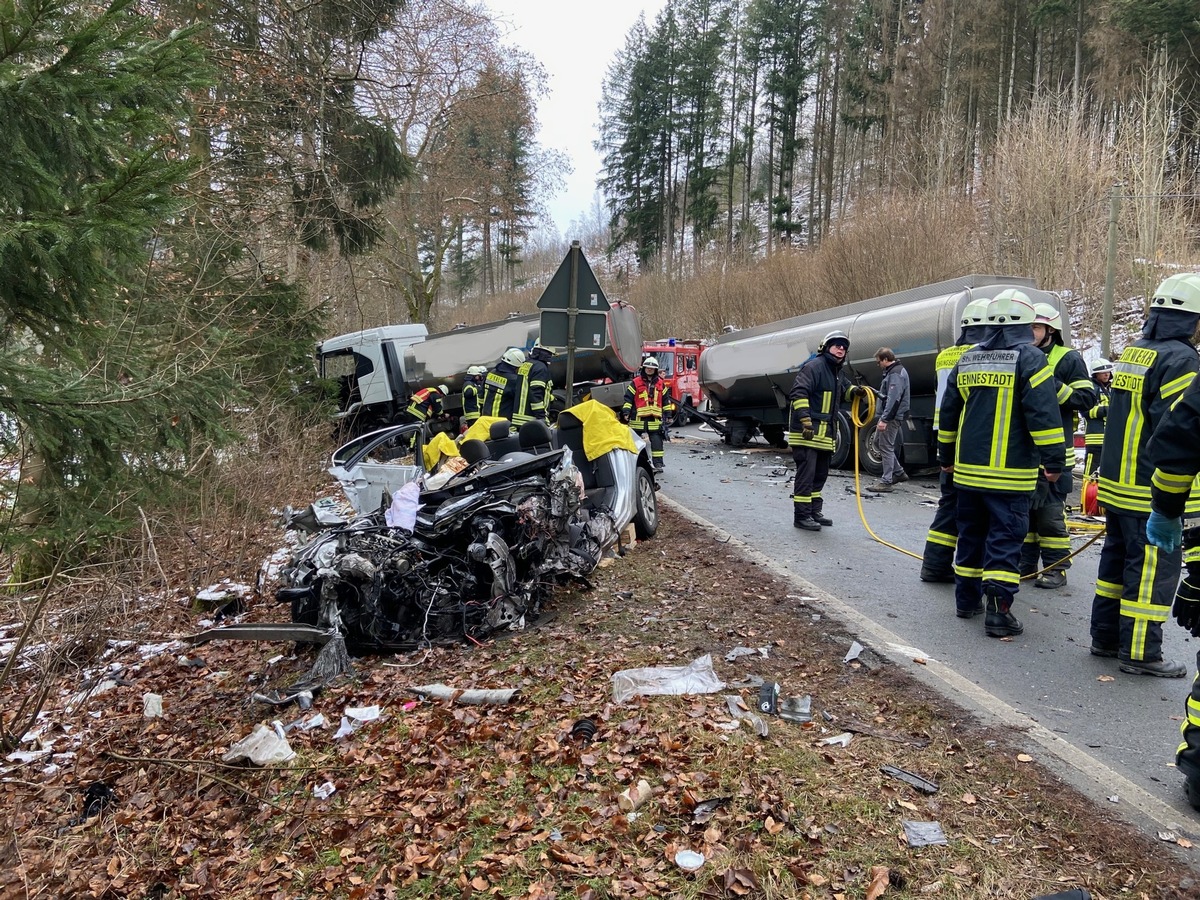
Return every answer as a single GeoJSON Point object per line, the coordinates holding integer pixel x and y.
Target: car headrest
{"type": "Point", "coordinates": [499, 430]}
{"type": "Point", "coordinates": [474, 450]}
{"type": "Point", "coordinates": [534, 433]}
{"type": "Point", "coordinates": [568, 420]}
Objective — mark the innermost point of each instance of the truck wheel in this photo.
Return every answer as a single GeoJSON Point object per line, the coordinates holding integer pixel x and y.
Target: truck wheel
{"type": "Point", "coordinates": [841, 443]}
{"type": "Point", "coordinates": [645, 518]}
{"type": "Point", "coordinates": [775, 435]}
{"type": "Point", "coordinates": [869, 457]}
{"type": "Point", "coordinates": [681, 417]}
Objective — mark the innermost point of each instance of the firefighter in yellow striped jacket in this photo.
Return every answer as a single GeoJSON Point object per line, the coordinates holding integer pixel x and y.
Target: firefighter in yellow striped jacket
{"type": "Point", "coordinates": [816, 396]}
{"type": "Point", "coordinates": [1135, 580]}
{"type": "Point", "coordinates": [1047, 536]}
{"type": "Point", "coordinates": [1093, 438]}
{"type": "Point", "coordinates": [999, 422]}
{"type": "Point", "coordinates": [1173, 494]}
{"type": "Point", "coordinates": [647, 401]}
{"type": "Point", "coordinates": [937, 562]}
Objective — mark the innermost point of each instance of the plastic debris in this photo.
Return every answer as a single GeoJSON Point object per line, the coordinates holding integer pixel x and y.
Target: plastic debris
{"type": "Point", "coordinates": [796, 709]}
{"type": "Point", "coordinates": [738, 652]}
{"type": "Point", "coordinates": [689, 860]}
{"type": "Point", "coordinates": [697, 677]}
{"type": "Point", "coordinates": [706, 809]}
{"type": "Point", "coordinates": [97, 798]}
{"type": "Point", "coordinates": [923, 834]}
{"type": "Point", "coordinates": [633, 797]}
{"type": "Point", "coordinates": [405, 504]}
{"type": "Point", "coordinates": [924, 785]}
{"type": "Point", "coordinates": [853, 653]}
{"type": "Point", "coordinates": [363, 714]}
{"type": "Point", "coordinates": [768, 698]}
{"type": "Point", "coordinates": [324, 791]}
{"type": "Point", "coordinates": [263, 746]}
{"type": "Point", "coordinates": [583, 731]}
{"type": "Point", "coordinates": [734, 704]}
{"type": "Point", "coordinates": [840, 740]}
{"type": "Point", "coordinates": [152, 707]}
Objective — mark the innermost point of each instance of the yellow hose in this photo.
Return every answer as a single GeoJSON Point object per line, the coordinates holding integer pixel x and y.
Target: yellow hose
{"type": "Point", "coordinates": [860, 421]}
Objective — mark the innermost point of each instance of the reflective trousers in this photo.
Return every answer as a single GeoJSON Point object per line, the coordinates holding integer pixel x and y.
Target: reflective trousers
{"type": "Point", "coordinates": [651, 429]}
{"type": "Point", "coordinates": [943, 533]}
{"type": "Point", "coordinates": [1187, 756]}
{"type": "Point", "coordinates": [1048, 537]}
{"type": "Point", "coordinates": [1135, 585]}
{"type": "Point", "coordinates": [812, 471]}
{"type": "Point", "coordinates": [991, 531]}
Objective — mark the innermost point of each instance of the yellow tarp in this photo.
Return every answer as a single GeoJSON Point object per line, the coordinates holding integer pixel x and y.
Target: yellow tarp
{"type": "Point", "coordinates": [602, 430]}
{"type": "Point", "coordinates": [441, 445]}
{"type": "Point", "coordinates": [481, 428]}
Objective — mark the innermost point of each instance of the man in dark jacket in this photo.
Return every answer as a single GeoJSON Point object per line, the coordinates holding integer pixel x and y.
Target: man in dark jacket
{"type": "Point", "coordinates": [893, 410]}
{"type": "Point", "coordinates": [816, 398]}
{"type": "Point", "coordinates": [1047, 512]}
{"type": "Point", "coordinates": [472, 393]}
{"type": "Point", "coordinates": [1135, 580]}
{"type": "Point", "coordinates": [998, 422]}
{"type": "Point", "coordinates": [541, 385]}
{"type": "Point", "coordinates": [425, 405]}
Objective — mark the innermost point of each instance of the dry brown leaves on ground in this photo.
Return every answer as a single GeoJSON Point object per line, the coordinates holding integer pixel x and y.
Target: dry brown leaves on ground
{"type": "Point", "coordinates": [442, 800]}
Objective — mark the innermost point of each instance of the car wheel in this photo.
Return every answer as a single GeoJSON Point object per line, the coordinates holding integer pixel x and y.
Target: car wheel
{"type": "Point", "coordinates": [645, 519]}
{"type": "Point", "coordinates": [870, 456]}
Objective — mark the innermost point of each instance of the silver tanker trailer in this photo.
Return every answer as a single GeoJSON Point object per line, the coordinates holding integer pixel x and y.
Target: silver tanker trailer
{"type": "Point", "coordinates": [747, 374]}
{"type": "Point", "coordinates": [378, 369]}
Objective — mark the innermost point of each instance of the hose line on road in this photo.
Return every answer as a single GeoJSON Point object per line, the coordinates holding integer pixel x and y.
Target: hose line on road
{"type": "Point", "coordinates": [862, 413]}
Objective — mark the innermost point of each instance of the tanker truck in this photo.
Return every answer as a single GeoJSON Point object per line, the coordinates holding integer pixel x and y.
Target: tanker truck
{"type": "Point", "coordinates": [378, 369]}
{"type": "Point", "coordinates": [747, 374]}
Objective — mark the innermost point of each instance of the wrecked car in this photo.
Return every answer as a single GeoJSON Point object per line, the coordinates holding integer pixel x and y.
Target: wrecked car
{"type": "Point", "coordinates": [500, 521]}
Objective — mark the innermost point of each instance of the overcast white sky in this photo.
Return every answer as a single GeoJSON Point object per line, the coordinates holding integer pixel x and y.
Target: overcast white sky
{"type": "Point", "coordinates": [575, 45]}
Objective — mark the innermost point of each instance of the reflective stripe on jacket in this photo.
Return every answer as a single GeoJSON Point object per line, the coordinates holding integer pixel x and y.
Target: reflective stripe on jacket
{"type": "Point", "coordinates": [425, 403]}
{"type": "Point", "coordinates": [502, 390]}
{"type": "Point", "coordinates": [647, 398]}
{"type": "Point", "coordinates": [1174, 489]}
{"type": "Point", "coordinates": [1075, 389]}
{"type": "Point", "coordinates": [817, 395]}
{"type": "Point", "coordinates": [1147, 379]}
{"type": "Point", "coordinates": [1094, 435]}
{"type": "Point", "coordinates": [1000, 420]}
{"type": "Point", "coordinates": [471, 400]}
{"type": "Point", "coordinates": [945, 361]}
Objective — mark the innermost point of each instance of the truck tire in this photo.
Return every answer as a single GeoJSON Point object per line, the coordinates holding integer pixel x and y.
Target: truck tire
{"type": "Point", "coordinates": [645, 518]}
{"type": "Point", "coordinates": [869, 457]}
{"type": "Point", "coordinates": [842, 456]}
{"type": "Point", "coordinates": [739, 433]}
{"type": "Point", "coordinates": [776, 436]}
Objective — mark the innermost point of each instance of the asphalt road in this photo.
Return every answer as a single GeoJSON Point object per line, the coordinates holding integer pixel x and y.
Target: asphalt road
{"type": "Point", "coordinates": [1129, 724]}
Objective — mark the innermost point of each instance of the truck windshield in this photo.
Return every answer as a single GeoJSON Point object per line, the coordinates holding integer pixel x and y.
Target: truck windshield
{"type": "Point", "coordinates": [667, 361]}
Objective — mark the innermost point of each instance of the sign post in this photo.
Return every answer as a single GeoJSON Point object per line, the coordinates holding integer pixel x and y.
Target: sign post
{"type": "Point", "coordinates": [563, 322]}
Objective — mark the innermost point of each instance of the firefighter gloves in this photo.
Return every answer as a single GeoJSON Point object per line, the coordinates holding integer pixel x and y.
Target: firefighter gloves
{"type": "Point", "coordinates": [1164, 532]}
{"type": "Point", "coordinates": [1186, 609]}
{"type": "Point", "coordinates": [806, 429]}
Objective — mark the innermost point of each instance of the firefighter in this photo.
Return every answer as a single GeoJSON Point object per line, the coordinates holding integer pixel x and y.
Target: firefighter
{"type": "Point", "coordinates": [540, 390]}
{"type": "Point", "coordinates": [937, 562]}
{"type": "Point", "coordinates": [647, 401]}
{"type": "Point", "coordinates": [816, 398]}
{"type": "Point", "coordinates": [426, 404]}
{"type": "Point", "coordinates": [999, 420]}
{"type": "Point", "coordinates": [505, 388]}
{"type": "Point", "coordinates": [1093, 438]}
{"type": "Point", "coordinates": [1173, 495]}
{"type": "Point", "coordinates": [472, 394]}
{"type": "Point", "coordinates": [1135, 581]}
{"type": "Point", "coordinates": [1047, 535]}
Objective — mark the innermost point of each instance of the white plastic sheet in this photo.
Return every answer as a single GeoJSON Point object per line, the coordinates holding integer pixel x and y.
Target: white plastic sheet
{"type": "Point", "coordinates": [697, 677]}
{"type": "Point", "coordinates": [405, 503]}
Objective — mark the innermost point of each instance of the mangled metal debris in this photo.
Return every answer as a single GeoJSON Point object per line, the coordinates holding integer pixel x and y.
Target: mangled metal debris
{"type": "Point", "coordinates": [486, 546]}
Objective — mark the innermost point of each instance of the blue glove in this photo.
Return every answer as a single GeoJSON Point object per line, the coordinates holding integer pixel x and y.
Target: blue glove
{"type": "Point", "coordinates": [1164, 533]}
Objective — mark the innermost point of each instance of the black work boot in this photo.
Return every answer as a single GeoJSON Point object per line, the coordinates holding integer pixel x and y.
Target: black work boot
{"type": "Point", "coordinates": [803, 518]}
{"type": "Point", "coordinates": [818, 513]}
{"type": "Point", "coordinates": [1160, 668]}
{"type": "Point", "coordinates": [999, 621]}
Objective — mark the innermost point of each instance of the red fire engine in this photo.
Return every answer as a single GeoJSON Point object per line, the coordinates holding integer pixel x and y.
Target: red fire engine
{"type": "Point", "coordinates": [679, 363]}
